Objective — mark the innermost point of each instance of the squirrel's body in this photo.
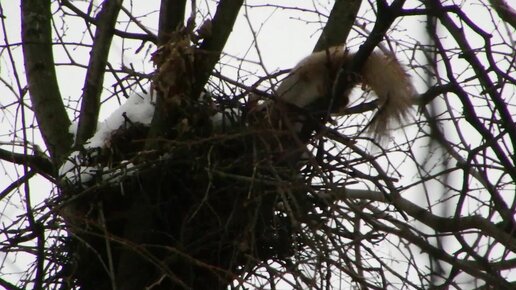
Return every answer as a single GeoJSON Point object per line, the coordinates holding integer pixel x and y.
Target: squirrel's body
{"type": "Point", "coordinates": [312, 79]}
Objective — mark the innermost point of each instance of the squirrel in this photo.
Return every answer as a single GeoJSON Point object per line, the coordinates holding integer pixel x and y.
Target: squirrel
{"type": "Point", "coordinates": [312, 80]}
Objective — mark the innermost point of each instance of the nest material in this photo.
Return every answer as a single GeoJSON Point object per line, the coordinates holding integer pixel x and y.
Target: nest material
{"type": "Point", "coordinates": [208, 204]}
{"type": "Point", "coordinates": [213, 199]}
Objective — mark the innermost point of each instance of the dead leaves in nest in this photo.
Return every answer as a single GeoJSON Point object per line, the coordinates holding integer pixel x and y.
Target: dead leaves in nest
{"type": "Point", "coordinates": [174, 74]}
{"type": "Point", "coordinates": [174, 80]}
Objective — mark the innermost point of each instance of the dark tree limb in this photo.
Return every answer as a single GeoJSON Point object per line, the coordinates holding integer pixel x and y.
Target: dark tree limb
{"type": "Point", "coordinates": [171, 16]}
{"type": "Point", "coordinates": [41, 77]}
{"type": "Point", "coordinates": [39, 163]}
{"type": "Point", "coordinates": [17, 183]}
{"type": "Point", "coordinates": [340, 22]}
{"type": "Point", "coordinates": [386, 16]}
{"type": "Point", "coordinates": [211, 48]}
{"type": "Point", "coordinates": [504, 11]}
{"type": "Point", "coordinates": [9, 286]}
{"type": "Point", "coordinates": [205, 60]}
{"type": "Point", "coordinates": [123, 34]}
{"type": "Point", "coordinates": [94, 81]}
{"type": "Point", "coordinates": [433, 92]}
{"type": "Point", "coordinates": [438, 223]}
{"type": "Point", "coordinates": [487, 83]}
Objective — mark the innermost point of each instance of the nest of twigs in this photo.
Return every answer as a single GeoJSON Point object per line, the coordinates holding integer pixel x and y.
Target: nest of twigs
{"type": "Point", "coordinates": [214, 203]}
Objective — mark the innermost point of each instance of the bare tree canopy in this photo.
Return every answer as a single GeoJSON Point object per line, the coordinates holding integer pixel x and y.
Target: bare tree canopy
{"type": "Point", "coordinates": [176, 144]}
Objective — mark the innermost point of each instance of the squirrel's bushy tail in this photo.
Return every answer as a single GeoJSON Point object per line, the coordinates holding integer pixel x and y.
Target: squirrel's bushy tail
{"type": "Point", "coordinates": [393, 86]}
{"type": "Point", "coordinates": [311, 79]}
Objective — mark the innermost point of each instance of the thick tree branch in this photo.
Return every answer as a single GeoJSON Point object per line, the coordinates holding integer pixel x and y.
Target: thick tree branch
{"type": "Point", "coordinates": [38, 163]}
{"type": "Point", "coordinates": [222, 25]}
{"type": "Point", "coordinates": [94, 81]}
{"type": "Point", "coordinates": [41, 77]}
{"type": "Point", "coordinates": [123, 34]}
{"type": "Point", "coordinates": [432, 93]}
{"type": "Point", "coordinates": [386, 16]}
{"type": "Point", "coordinates": [171, 16]}
{"type": "Point", "coordinates": [206, 57]}
{"type": "Point", "coordinates": [340, 22]}
{"type": "Point", "coordinates": [9, 286]}
{"type": "Point", "coordinates": [504, 11]}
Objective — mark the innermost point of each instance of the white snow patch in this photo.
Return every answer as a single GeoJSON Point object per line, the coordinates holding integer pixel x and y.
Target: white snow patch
{"type": "Point", "coordinates": [73, 129]}
{"type": "Point", "coordinates": [73, 172]}
{"type": "Point", "coordinates": [139, 108]}
{"type": "Point", "coordinates": [225, 119]}
{"type": "Point", "coordinates": [115, 175]}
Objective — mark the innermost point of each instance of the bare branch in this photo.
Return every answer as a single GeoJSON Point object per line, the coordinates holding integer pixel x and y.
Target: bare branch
{"type": "Point", "coordinates": [17, 183]}
{"type": "Point", "coordinates": [340, 22]}
{"type": "Point", "coordinates": [385, 17]}
{"type": "Point", "coordinates": [41, 76]}
{"type": "Point", "coordinates": [38, 163]}
{"type": "Point", "coordinates": [171, 17]}
{"type": "Point", "coordinates": [8, 286]}
{"type": "Point", "coordinates": [488, 85]}
{"type": "Point", "coordinates": [440, 224]}
{"type": "Point", "coordinates": [222, 25]}
{"type": "Point", "coordinates": [94, 81]}
{"type": "Point", "coordinates": [123, 34]}
{"type": "Point", "coordinates": [505, 11]}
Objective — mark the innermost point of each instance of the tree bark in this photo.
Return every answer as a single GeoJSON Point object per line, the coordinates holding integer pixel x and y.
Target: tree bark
{"type": "Point", "coordinates": [41, 77]}
{"type": "Point", "coordinates": [340, 22]}
{"type": "Point", "coordinates": [93, 85]}
{"type": "Point", "coordinates": [222, 25]}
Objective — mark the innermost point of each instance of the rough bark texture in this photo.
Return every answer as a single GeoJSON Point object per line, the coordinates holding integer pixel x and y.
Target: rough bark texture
{"type": "Point", "coordinates": [41, 77]}
{"type": "Point", "coordinates": [222, 25]}
{"type": "Point", "coordinates": [340, 22]}
{"type": "Point", "coordinates": [171, 17]}
{"type": "Point", "coordinates": [506, 12]}
{"type": "Point", "coordinates": [93, 85]}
